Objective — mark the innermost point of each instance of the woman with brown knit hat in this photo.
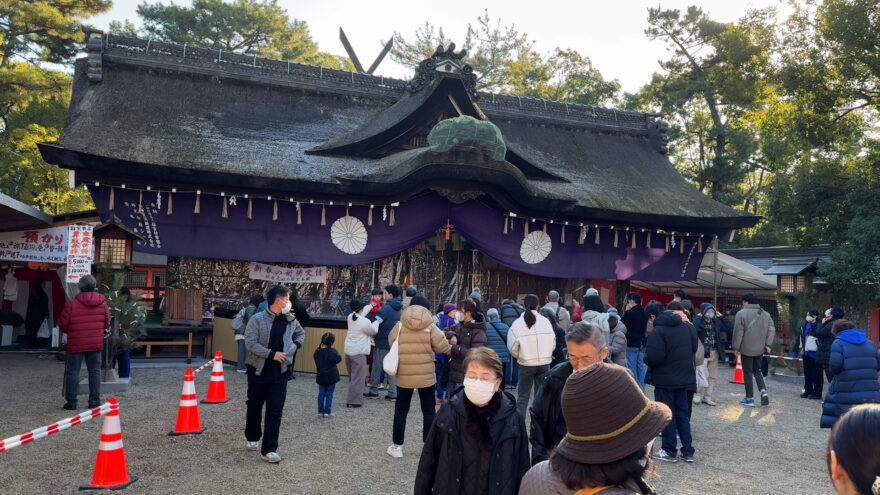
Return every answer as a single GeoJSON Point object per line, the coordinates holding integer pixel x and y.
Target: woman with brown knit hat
{"type": "Point", "coordinates": [611, 426]}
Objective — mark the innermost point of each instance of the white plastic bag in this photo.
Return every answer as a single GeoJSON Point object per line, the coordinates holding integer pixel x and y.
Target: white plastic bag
{"type": "Point", "coordinates": [44, 332]}
{"type": "Point", "coordinates": [55, 334]}
{"type": "Point", "coordinates": [702, 376]}
{"type": "Point", "coordinates": [392, 359]}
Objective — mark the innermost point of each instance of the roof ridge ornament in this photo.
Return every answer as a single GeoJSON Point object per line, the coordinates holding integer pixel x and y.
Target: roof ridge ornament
{"type": "Point", "coordinates": [445, 62]}
{"type": "Point", "coordinates": [95, 50]}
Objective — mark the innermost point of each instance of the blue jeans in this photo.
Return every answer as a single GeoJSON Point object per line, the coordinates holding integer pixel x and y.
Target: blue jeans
{"type": "Point", "coordinates": [325, 398]}
{"type": "Point", "coordinates": [677, 400]}
{"type": "Point", "coordinates": [441, 369]}
{"type": "Point", "coordinates": [504, 374]}
{"type": "Point", "coordinates": [635, 361]}
{"type": "Point", "coordinates": [514, 372]}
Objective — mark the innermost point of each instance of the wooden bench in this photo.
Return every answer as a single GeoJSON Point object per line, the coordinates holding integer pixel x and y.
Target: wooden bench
{"type": "Point", "coordinates": [188, 343]}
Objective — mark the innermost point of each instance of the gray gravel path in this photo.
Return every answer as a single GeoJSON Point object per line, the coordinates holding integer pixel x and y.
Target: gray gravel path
{"type": "Point", "coordinates": [775, 449]}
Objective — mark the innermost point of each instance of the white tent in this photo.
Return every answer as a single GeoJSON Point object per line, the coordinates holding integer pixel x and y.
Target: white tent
{"type": "Point", "coordinates": [727, 273]}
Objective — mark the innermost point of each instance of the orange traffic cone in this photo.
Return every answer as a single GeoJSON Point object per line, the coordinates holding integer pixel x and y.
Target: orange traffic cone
{"type": "Point", "coordinates": [217, 387]}
{"type": "Point", "coordinates": [188, 412]}
{"type": "Point", "coordinates": [110, 470]}
{"type": "Point", "coordinates": [738, 372]}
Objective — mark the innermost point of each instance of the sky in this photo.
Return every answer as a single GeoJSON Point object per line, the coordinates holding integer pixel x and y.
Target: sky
{"type": "Point", "coordinates": [610, 33]}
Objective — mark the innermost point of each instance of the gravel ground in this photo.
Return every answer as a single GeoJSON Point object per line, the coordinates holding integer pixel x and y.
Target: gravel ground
{"type": "Point", "coordinates": [779, 448]}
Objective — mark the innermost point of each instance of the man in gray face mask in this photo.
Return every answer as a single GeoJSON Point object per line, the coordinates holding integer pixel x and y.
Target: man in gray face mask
{"type": "Point", "coordinates": [272, 338]}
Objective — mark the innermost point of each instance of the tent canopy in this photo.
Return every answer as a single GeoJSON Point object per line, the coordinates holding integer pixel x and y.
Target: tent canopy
{"type": "Point", "coordinates": [732, 275]}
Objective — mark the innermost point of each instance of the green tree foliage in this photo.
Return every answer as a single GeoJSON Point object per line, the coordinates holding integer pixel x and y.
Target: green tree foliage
{"type": "Point", "coordinates": [504, 60]}
{"type": "Point", "coordinates": [257, 27]}
{"type": "Point", "coordinates": [33, 97]}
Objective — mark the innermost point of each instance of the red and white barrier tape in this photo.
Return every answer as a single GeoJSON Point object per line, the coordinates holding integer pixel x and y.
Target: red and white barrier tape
{"type": "Point", "coordinates": [54, 427]}
{"type": "Point", "coordinates": [200, 368]}
{"type": "Point", "coordinates": [782, 357]}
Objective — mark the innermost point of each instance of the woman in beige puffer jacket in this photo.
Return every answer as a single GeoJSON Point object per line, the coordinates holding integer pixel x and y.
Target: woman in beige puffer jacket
{"type": "Point", "coordinates": [419, 339]}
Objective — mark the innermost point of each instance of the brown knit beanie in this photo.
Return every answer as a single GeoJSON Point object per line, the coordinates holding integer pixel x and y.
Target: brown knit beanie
{"type": "Point", "coordinates": [607, 415]}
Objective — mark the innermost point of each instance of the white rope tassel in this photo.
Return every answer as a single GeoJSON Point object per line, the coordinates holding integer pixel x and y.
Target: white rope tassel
{"type": "Point", "coordinates": [562, 241]}
{"type": "Point", "coordinates": [526, 229]}
{"type": "Point", "coordinates": [545, 228]}
{"type": "Point", "coordinates": [583, 235]}
{"type": "Point", "coordinates": [649, 241]}
{"type": "Point", "coordinates": [275, 211]}
{"type": "Point", "coordinates": [370, 216]}
{"type": "Point", "coordinates": [111, 199]}
{"type": "Point", "coordinates": [198, 208]}
{"type": "Point", "coordinates": [616, 232]}
{"type": "Point", "coordinates": [299, 217]}
{"type": "Point", "coordinates": [700, 244]}
{"type": "Point", "coordinates": [506, 218]}
{"type": "Point", "coordinates": [391, 220]}
{"type": "Point", "coordinates": [170, 210]}
{"type": "Point", "coordinates": [634, 240]}
{"type": "Point", "coordinates": [250, 209]}
{"type": "Point", "coordinates": [324, 215]}
{"type": "Point", "coordinates": [667, 243]}
{"type": "Point", "coordinates": [225, 213]}
{"type": "Point", "coordinates": [597, 235]}
{"type": "Point", "coordinates": [681, 245]}
{"type": "Point", "coordinates": [140, 202]}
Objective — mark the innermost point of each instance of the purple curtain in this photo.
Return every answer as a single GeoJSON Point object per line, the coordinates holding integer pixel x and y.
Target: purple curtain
{"type": "Point", "coordinates": [260, 238]}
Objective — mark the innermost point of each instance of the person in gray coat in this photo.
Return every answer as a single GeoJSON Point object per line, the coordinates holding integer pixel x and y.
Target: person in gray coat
{"type": "Point", "coordinates": [617, 346]}
{"type": "Point", "coordinates": [272, 338]}
{"type": "Point", "coordinates": [753, 333]}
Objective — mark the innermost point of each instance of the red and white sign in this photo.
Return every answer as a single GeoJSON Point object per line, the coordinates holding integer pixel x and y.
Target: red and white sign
{"type": "Point", "coordinates": [284, 275]}
{"type": "Point", "coordinates": [79, 252]}
{"type": "Point", "coordinates": [39, 245]}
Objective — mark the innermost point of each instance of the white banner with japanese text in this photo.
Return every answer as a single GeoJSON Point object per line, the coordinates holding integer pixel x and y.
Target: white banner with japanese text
{"type": "Point", "coordinates": [39, 245]}
{"type": "Point", "coordinates": [284, 275]}
{"type": "Point", "coordinates": [79, 252]}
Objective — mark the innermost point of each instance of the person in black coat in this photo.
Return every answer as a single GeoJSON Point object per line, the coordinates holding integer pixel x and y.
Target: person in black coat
{"type": "Point", "coordinates": [559, 351]}
{"type": "Point", "coordinates": [825, 337]}
{"type": "Point", "coordinates": [669, 355]}
{"type": "Point", "coordinates": [636, 322]}
{"type": "Point", "coordinates": [472, 448]}
{"type": "Point", "coordinates": [326, 360]}
{"type": "Point", "coordinates": [37, 311]}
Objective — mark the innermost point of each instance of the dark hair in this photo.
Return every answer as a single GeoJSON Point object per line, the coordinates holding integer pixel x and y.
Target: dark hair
{"type": "Point", "coordinates": [420, 301]}
{"type": "Point", "coordinates": [486, 357]}
{"type": "Point", "coordinates": [841, 325]}
{"type": "Point", "coordinates": [836, 312]}
{"type": "Point", "coordinates": [594, 303]}
{"type": "Point", "coordinates": [583, 332]}
{"type": "Point", "coordinates": [675, 306]}
{"type": "Point", "coordinates": [276, 292]}
{"type": "Point", "coordinates": [813, 312]}
{"type": "Point", "coordinates": [376, 292]}
{"type": "Point", "coordinates": [356, 306]}
{"type": "Point", "coordinates": [39, 281]}
{"type": "Point", "coordinates": [257, 299]}
{"type": "Point", "coordinates": [653, 309]}
{"type": "Point", "coordinates": [393, 290]}
{"type": "Point", "coordinates": [855, 440]}
{"type": "Point", "coordinates": [469, 306]}
{"type": "Point", "coordinates": [679, 293]}
{"type": "Point", "coordinates": [328, 339]}
{"type": "Point", "coordinates": [530, 302]}
{"type": "Point", "coordinates": [635, 297]}
{"type": "Point", "coordinates": [612, 322]}
{"type": "Point", "coordinates": [411, 291]}
{"type": "Point", "coordinates": [125, 291]}
{"type": "Point", "coordinates": [750, 298]}
{"type": "Point", "coordinates": [577, 475]}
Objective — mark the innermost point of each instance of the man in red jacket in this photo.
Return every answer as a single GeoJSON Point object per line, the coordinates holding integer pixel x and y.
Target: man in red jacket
{"type": "Point", "coordinates": [84, 319]}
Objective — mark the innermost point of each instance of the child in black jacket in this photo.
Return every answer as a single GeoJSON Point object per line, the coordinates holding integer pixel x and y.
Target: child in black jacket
{"type": "Point", "coordinates": [326, 361]}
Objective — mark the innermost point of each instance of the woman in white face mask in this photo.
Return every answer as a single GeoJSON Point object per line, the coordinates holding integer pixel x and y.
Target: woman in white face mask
{"type": "Point", "coordinates": [478, 442]}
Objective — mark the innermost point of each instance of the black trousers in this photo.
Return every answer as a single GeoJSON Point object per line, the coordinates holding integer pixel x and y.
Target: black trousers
{"type": "Point", "coordinates": [813, 379]}
{"type": "Point", "coordinates": [273, 396]}
{"type": "Point", "coordinates": [401, 410]}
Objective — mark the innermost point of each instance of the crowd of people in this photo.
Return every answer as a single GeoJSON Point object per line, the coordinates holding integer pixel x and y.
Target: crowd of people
{"type": "Point", "coordinates": [579, 374]}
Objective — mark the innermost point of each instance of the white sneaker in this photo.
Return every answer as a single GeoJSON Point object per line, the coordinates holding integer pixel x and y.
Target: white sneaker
{"type": "Point", "coordinates": [709, 402]}
{"type": "Point", "coordinates": [272, 458]}
{"type": "Point", "coordinates": [253, 445]}
{"type": "Point", "coordinates": [395, 451]}
{"type": "Point", "coordinates": [662, 455]}
{"type": "Point", "coordinates": [697, 399]}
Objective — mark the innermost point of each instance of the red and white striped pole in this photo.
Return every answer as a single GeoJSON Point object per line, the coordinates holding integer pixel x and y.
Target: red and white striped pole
{"type": "Point", "coordinates": [53, 428]}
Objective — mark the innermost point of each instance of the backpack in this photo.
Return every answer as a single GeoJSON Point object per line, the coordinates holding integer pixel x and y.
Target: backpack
{"type": "Point", "coordinates": [238, 322]}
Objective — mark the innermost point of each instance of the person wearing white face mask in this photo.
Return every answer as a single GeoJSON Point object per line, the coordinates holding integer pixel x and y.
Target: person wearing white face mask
{"type": "Point", "coordinates": [477, 443]}
{"type": "Point", "coordinates": [272, 338]}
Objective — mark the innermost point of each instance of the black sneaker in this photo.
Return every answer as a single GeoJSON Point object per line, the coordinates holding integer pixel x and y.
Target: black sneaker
{"type": "Point", "coordinates": [70, 407]}
{"type": "Point", "coordinates": [390, 399]}
{"type": "Point", "coordinates": [371, 395]}
{"type": "Point", "coordinates": [687, 458]}
{"type": "Point", "coordinates": [765, 399]}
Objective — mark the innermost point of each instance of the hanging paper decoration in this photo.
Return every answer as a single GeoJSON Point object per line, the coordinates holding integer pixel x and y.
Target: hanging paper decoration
{"type": "Point", "coordinates": [370, 216]}
{"type": "Point", "coordinates": [250, 209]}
{"type": "Point", "coordinates": [349, 235]}
{"type": "Point", "coordinates": [323, 215]}
{"type": "Point", "coordinates": [198, 208]}
{"type": "Point", "coordinates": [535, 247]}
{"type": "Point", "coordinates": [673, 239]}
{"type": "Point", "coordinates": [169, 204]}
{"type": "Point", "coordinates": [158, 201]}
{"type": "Point", "coordinates": [233, 201]}
{"type": "Point", "coordinates": [384, 213]}
{"type": "Point", "coordinates": [275, 210]}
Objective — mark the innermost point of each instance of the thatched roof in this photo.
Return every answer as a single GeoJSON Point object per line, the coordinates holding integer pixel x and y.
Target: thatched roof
{"type": "Point", "coordinates": [161, 114]}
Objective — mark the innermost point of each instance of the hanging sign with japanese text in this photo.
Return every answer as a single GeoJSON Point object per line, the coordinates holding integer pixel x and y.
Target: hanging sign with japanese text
{"type": "Point", "coordinates": [39, 245]}
{"type": "Point", "coordinates": [79, 252]}
{"type": "Point", "coordinates": [284, 275]}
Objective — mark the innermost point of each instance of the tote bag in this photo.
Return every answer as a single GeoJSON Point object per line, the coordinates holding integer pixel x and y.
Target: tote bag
{"type": "Point", "coordinates": [392, 359]}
